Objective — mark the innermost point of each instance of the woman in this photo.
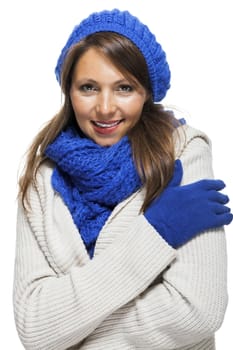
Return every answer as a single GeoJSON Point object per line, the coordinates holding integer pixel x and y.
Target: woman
{"type": "Point", "coordinates": [120, 239]}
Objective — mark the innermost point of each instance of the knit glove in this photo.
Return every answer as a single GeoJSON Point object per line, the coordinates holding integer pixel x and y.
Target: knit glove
{"type": "Point", "coordinates": [181, 212]}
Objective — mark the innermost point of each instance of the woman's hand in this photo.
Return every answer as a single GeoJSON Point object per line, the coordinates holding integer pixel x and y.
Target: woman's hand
{"type": "Point", "coordinates": [181, 212]}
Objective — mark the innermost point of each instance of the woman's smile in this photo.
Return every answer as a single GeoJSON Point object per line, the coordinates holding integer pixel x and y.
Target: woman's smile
{"type": "Point", "coordinates": [106, 127]}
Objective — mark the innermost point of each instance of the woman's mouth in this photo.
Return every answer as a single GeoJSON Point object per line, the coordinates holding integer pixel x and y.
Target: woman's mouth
{"type": "Point", "coordinates": [106, 127]}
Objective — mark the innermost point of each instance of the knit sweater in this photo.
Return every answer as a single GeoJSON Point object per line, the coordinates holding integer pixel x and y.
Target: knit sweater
{"type": "Point", "coordinates": [137, 292]}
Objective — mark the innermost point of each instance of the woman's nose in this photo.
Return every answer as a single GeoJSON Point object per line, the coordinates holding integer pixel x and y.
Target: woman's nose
{"type": "Point", "coordinates": [106, 104]}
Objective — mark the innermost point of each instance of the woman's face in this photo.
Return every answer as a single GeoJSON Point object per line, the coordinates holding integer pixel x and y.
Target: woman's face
{"type": "Point", "coordinates": [106, 104]}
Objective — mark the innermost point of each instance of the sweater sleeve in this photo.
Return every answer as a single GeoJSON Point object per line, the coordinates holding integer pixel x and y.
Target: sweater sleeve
{"type": "Point", "coordinates": [187, 304]}
{"type": "Point", "coordinates": [55, 310]}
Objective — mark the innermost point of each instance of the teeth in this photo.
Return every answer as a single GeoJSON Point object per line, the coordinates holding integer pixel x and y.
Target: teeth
{"type": "Point", "coordinates": [104, 125]}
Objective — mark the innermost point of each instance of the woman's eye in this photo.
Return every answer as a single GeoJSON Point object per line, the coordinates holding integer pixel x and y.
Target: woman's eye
{"type": "Point", "coordinates": [125, 88]}
{"type": "Point", "coordinates": [88, 88]}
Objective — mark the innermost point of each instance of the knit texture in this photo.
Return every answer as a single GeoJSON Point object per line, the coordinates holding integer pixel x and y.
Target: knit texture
{"type": "Point", "coordinates": [136, 293]}
{"type": "Point", "coordinates": [197, 207]}
{"type": "Point", "coordinates": [122, 22]}
{"type": "Point", "coordinates": [91, 179]}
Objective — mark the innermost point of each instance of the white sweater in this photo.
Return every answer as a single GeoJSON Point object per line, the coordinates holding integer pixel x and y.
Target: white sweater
{"type": "Point", "coordinates": [136, 293]}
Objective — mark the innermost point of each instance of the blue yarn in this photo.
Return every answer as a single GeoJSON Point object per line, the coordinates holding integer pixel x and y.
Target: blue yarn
{"type": "Point", "coordinates": [124, 23]}
{"type": "Point", "coordinates": [91, 179]}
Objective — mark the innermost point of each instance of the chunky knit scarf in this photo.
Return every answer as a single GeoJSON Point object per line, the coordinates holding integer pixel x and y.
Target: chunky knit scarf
{"type": "Point", "coordinates": [91, 179]}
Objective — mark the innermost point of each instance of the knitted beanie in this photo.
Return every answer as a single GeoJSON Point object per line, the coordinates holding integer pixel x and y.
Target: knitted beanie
{"type": "Point", "coordinates": [124, 23]}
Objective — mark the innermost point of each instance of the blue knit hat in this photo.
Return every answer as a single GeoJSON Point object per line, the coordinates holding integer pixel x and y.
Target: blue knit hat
{"type": "Point", "coordinates": [124, 23]}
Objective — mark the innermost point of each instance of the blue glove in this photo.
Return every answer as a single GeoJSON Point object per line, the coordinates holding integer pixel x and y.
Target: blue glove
{"type": "Point", "coordinates": [181, 212]}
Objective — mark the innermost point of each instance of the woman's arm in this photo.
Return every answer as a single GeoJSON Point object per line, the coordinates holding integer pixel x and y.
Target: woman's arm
{"type": "Point", "coordinates": [188, 303]}
{"type": "Point", "coordinates": [56, 310]}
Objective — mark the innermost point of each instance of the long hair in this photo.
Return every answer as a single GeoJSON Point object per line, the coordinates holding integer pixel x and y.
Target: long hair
{"type": "Point", "coordinates": [151, 138]}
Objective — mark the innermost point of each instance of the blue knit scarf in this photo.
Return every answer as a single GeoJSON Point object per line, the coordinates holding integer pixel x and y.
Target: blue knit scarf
{"type": "Point", "coordinates": [91, 179]}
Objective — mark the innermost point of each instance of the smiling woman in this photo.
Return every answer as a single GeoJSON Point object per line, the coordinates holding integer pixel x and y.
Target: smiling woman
{"type": "Point", "coordinates": [120, 237]}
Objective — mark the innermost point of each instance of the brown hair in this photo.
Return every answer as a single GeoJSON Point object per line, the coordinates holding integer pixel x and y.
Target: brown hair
{"type": "Point", "coordinates": [151, 137]}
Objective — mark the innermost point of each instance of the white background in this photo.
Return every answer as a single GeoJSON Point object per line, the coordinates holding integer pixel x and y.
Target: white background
{"type": "Point", "coordinates": [197, 37]}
